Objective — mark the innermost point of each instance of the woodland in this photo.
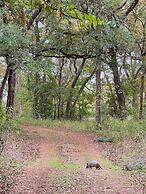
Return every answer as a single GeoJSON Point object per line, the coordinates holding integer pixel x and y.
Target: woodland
{"type": "Point", "coordinates": [72, 60]}
{"type": "Point", "coordinates": [79, 65]}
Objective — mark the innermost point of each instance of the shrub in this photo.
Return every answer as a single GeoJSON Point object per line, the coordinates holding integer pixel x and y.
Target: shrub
{"type": "Point", "coordinates": [122, 129]}
{"type": "Point", "coordinates": [6, 128]}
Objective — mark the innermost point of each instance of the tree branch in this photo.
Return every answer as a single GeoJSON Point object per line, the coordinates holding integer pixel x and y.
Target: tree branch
{"type": "Point", "coordinates": [33, 17]}
{"type": "Point", "coordinates": [122, 5]}
{"type": "Point", "coordinates": [132, 6]}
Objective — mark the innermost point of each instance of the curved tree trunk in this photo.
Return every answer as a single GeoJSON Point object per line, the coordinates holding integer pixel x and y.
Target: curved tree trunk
{"type": "Point", "coordinates": [69, 102]}
{"type": "Point", "coordinates": [118, 86]}
{"type": "Point", "coordinates": [3, 84]}
{"type": "Point", "coordinates": [83, 86]}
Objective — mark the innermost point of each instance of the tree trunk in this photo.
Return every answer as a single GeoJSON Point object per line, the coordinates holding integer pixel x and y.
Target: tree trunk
{"type": "Point", "coordinates": [83, 86]}
{"type": "Point", "coordinates": [134, 95]}
{"type": "Point", "coordinates": [141, 97]}
{"type": "Point", "coordinates": [18, 104]}
{"type": "Point", "coordinates": [143, 53]}
{"type": "Point", "coordinates": [69, 102]}
{"type": "Point", "coordinates": [59, 111]}
{"type": "Point", "coordinates": [11, 92]}
{"type": "Point", "coordinates": [44, 99]}
{"type": "Point", "coordinates": [112, 93]}
{"type": "Point", "coordinates": [80, 113]}
{"type": "Point", "coordinates": [98, 94]}
{"type": "Point", "coordinates": [55, 109]}
{"type": "Point", "coordinates": [36, 96]}
{"type": "Point", "coordinates": [118, 86]}
{"type": "Point", "coordinates": [37, 76]}
{"type": "Point", "coordinates": [3, 84]}
{"type": "Point", "coordinates": [133, 101]}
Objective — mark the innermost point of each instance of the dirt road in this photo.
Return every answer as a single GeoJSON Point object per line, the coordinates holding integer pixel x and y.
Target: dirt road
{"type": "Point", "coordinates": [60, 167]}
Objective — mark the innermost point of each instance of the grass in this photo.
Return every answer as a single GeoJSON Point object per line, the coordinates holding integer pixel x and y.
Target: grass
{"type": "Point", "coordinates": [85, 126]}
{"type": "Point", "coordinates": [56, 163]}
{"type": "Point", "coordinates": [119, 129]}
{"type": "Point", "coordinates": [71, 166]}
{"type": "Point", "coordinates": [111, 128]}
{"type": "Point", "coordinates": [109, 164]}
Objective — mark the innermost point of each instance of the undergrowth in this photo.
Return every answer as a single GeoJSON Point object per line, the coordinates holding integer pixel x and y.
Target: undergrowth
{"type": "Point", "coordinates": [85, 126]}
{"type": "Point", "coordinates": [112, 128]}
{"type": "Point", "coordinates": [7, 127]}
{"type": "Point", "coordinates": [124, 129]}
{"type": "Point", "coordinates": [7, 124]}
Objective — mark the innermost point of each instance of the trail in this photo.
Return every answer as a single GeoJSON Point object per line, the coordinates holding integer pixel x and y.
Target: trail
{"type": "Point", "coordinates": [60, 167]}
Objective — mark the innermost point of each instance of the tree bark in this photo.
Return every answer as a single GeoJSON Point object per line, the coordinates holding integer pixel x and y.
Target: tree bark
{"type": "Point", "coordinates": [44, 97]}
{"type": "Point", "coordinates": [141, 97]}
{"type": "Point", "coordinates": [98, 94]}
{"type": "Point", "coordinates": [143, 53]}
{"type": "Point", "coordinates": [118, 86]}
{"type": "Point", "coordinates": [37, 76]}
{"type": "Point", "coordinates": [131, 7]}
{"type": "Point", "coordinates": [3, 84]}
{"type": "Point", "coordinates": [55, 109]}
{"type": "Point", "coordinates": [33, 17]}
{"type": "Point", "coordinates": [59, 111]}
{"type": "Point", "coordinates": [36, 96]}
{"type": "Point", "coordinates": [11, 92]}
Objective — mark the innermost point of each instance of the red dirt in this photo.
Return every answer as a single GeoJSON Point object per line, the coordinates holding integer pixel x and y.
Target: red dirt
{"type": "Point", "coordinates": [60, 167]}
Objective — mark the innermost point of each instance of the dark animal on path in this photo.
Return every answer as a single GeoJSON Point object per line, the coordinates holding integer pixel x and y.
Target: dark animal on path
{"type": "Point", "coordinates": [93, 163]}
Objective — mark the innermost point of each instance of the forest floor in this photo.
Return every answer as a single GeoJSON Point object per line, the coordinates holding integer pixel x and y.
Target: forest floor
{"type": "Point", "coordinates": [53, 161]}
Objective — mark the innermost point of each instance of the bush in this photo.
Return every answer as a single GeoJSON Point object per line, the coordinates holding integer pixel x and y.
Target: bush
{"type": "Point", "coordinates": [105, 139]}
{"type": "Point", "coordinates": [7, 126]}
{"type": "Point", "coordinates": [122, 129]}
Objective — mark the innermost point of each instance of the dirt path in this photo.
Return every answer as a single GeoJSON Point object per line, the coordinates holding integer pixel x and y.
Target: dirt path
{"type": "Point", "coordinates": [60, 168]}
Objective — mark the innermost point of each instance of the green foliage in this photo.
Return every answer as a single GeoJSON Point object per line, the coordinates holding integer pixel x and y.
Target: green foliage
{"type": "Point", "coordinates": [71, 33]}
{"type": "Point", "coordinates": [87, 20]}
{"type": "Point", "coordinates": [110, 105]}
{"type": "Point", "coordinates": [123, 129]}
{"type": "Point", "coordinates": [112, 3]}
{"type": "Point", "coordinates": [105, 139]}
{"type": "Point", "coordinates": [12, 38]}
{"type": "Point", "coordinates": [7, 125]}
